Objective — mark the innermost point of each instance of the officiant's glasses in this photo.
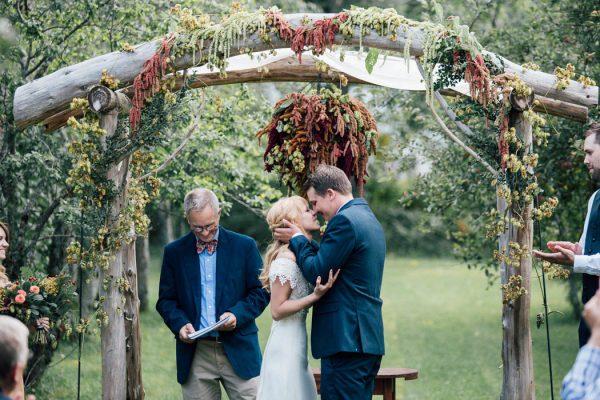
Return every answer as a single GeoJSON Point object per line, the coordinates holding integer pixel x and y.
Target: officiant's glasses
{"type": "Point", "coordinates": [207, 228]}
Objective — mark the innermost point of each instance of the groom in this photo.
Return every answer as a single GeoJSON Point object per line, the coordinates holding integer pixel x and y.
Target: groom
{"type": "Point", "coordinates": [347, 326]}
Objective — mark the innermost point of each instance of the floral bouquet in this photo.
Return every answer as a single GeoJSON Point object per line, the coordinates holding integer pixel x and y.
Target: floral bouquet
{"type": "Point", "coordinates": [43, 304]}
{"type": "Point", "coordinates": [319, 128]}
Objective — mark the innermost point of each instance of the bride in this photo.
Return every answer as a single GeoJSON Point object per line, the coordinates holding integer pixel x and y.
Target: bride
{"type": "Point", "coordinates": [285, 372]}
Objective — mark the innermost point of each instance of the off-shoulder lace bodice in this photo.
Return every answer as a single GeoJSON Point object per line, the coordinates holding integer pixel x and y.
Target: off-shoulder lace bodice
{"type": "Point", "coordinates": [288, 271]}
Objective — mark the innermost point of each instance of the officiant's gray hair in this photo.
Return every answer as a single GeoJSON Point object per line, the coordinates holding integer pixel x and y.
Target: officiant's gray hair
{"type": "Point", "coordinates": [198, 199]}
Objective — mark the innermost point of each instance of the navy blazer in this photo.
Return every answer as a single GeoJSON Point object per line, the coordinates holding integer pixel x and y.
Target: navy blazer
{"type": "Point", "coordinates": [238, 290]}
{"type": "Point", "coordinates": [348, 318]}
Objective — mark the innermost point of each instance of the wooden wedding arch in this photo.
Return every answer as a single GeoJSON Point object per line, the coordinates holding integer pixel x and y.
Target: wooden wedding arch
{"type": "Point", "coordinates": [46, 101]}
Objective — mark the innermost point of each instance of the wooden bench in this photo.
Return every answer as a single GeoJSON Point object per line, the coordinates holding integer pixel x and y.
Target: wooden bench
{"type": "Point", "coordinates": [385, 383]}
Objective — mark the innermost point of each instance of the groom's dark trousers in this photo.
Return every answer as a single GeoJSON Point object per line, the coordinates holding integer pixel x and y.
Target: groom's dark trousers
{"type": "Point", "coordinates": [347, 325]}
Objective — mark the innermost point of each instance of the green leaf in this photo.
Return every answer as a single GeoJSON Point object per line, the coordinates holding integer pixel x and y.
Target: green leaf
{"type": "Point", "coordinates": [371, 59]}
{"type": "Point", "coordinates": [282, 107]}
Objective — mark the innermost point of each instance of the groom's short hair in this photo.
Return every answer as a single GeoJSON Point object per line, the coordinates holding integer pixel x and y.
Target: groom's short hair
{"type": "Point", "coordinates": [328, 177]}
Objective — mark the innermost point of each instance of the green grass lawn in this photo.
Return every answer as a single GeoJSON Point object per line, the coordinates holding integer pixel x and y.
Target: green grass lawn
{"type": "Point", "coordinates": [439, 317]}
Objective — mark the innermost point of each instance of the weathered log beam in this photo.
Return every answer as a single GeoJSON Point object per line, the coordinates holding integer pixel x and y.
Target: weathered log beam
{"type": "Point", "coordinates": [560, 109]}
{"type": "Point", "coordinates": [543, 85]}
{"type": "Point", "coordinates": [45, 97]}
{"type": "Point", "coordinates": [547, 106]}
{"type": "Point", "coordinates": [289, 70]}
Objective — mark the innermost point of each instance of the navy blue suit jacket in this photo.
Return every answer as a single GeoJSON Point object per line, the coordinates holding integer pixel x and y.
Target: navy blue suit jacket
{"type": "Point", "coordinates": [348, 318]}
{"type": "Point", "coordinates": [238, 290]}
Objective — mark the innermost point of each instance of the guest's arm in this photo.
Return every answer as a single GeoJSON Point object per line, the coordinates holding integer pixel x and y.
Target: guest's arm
{"type": "Point", "coordinates": [583, 380]}
{"type": "Point", "coordinates": [587, 264]}
{"type": "Point", "coordinates": [571, 255]}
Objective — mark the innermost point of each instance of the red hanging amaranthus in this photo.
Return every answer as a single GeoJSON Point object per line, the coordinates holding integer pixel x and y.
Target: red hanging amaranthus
{"type": "Point", "coordinates": [502, 143]}
{"type": "Point", "coordinates": [503, 118]}
{"type": "Point", "coordinates": [326, 128]}
{"type": "Point", "coordinates": [276, 19]}
{"type": "Point", "coordinates": [320, 35]}
{"type": "Point", "coordinates": [477, 76]}
{"type": "Point", "coordinates": [147, 83]}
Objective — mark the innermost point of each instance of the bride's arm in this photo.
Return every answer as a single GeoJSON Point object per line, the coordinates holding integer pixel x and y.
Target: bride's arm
{"type": "Point", "coordinates": [282, 306]}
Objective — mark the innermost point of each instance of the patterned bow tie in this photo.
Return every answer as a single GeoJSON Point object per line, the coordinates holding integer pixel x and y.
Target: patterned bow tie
{"type": "Point", "coordinates": [209, 246]}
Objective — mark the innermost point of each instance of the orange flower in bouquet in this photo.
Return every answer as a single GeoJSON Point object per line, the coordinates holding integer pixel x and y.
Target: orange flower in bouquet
{"type": "Point", "coordinates": [44, 304]}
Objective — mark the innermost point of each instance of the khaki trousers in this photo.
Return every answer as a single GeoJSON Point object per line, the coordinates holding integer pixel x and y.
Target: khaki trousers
{"type": "Point", "coordinates": [210, 369]}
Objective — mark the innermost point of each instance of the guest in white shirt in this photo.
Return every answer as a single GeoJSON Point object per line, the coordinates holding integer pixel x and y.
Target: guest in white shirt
{"type": "Point", "coordinates": [583, 256]}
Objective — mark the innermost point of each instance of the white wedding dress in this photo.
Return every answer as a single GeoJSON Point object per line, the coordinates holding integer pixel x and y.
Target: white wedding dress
{"type": "Point", "coordinates": [285, 373]}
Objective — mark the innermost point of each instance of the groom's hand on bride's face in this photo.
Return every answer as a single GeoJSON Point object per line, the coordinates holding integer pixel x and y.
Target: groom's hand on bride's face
{"type": "Point", "coordinates": [286, 231]}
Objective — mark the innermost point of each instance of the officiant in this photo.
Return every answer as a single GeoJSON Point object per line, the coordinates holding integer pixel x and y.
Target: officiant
{"type": "Point", "coordinates": [208, 275]}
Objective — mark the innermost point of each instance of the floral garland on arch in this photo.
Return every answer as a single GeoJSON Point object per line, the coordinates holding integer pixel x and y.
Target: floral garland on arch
{"type": "Point", "coordinates": [319, 128]}
{"type": "Point", "coordinates": [446, 44]}
{"type": "Point", "coordinates": [196, 30]}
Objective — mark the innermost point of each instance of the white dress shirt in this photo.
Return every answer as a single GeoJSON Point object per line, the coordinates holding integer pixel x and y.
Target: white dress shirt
{"type": "Point", "coordinates": [588, 264]}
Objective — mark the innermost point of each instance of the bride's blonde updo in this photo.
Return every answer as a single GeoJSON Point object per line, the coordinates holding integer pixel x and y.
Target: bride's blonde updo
{"type": "Point", "coordinates": [291, 209]}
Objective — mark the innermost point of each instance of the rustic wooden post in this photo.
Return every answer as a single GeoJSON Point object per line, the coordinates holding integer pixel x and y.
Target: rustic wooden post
{"type": "Point", "coordinates": [121, 372]}
{"type": "Point", "coordinates": [135, 390]}
{"type": "Point", "coordinates": [517, 357]}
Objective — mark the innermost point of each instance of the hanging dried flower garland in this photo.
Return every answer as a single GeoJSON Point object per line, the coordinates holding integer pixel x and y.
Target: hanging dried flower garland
{"type": "Point", "coordinates": [318, 36]}
{"type": "Point", "coordinates": [312, 129]}
{"type": "Point", "coordinates": [147, 83]}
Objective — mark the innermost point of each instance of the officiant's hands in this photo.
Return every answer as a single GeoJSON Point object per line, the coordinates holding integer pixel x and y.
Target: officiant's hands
{"type": "Point", "coordinates": [230, 324]}
{"type": "Point", "coordinates": [321, 289]}
{"type": "Point", "coordinates": [185, 331]}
